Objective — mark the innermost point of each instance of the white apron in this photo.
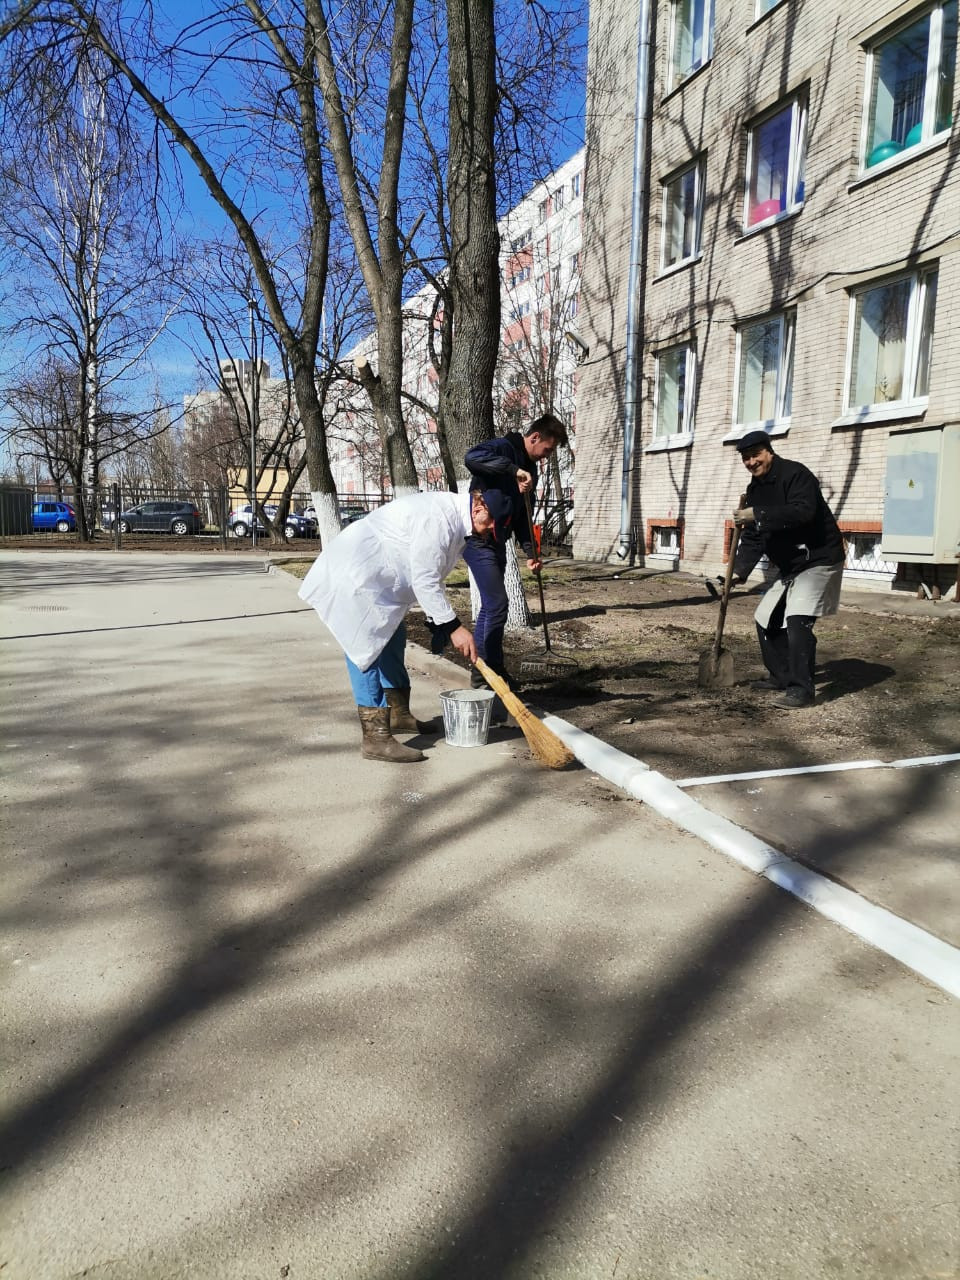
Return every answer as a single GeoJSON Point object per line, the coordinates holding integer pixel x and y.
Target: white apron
{"type": "Point", "coordinates": [363, 584]}
{"type": "Point", "coordinates": [812, 593]}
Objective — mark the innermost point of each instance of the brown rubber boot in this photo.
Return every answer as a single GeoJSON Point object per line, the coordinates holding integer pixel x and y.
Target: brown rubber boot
{"type": "Point", "coordinates": [379, 743]}
{"type": "Point", "coordinates": [401, 718]}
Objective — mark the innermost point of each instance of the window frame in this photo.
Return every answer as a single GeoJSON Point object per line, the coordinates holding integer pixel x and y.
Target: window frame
{"type": "Point", "coordinates": [677, 77]}
{"type": "Point", "coordinates": [796, 104]}
{"type": "Point", "coordinates": [785, 368]}
{"type": "Point", "coordinates": [762, 12]}
{"type": "Point", "coordinates": [683, 437]}
{"type": "Point", "coordinates": [928, 133]}
{"type": "Point", "coordinates": [910, 404]}
{"type": "Point", "coordinates": [699, 170]}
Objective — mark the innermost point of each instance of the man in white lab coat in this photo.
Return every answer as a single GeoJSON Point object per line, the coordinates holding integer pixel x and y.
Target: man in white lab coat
{"type": "Point", "coordinates": [363, 584]}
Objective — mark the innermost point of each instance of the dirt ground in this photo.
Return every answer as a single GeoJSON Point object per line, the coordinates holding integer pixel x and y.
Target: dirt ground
{"type": "Point", "coordinates": [888, 684]}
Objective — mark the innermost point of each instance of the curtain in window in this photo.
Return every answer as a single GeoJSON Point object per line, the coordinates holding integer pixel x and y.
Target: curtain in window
{"type": "Point", "coordinates": [899, 84]}
{"type": "Point", "coordinates": [879, 344]}
{"type": "Point", "coordinates": [671, 391]}
{"type": "Point", "coordinates": [948, 61]}
{"type": "Point", "coordinates": [759, 365]}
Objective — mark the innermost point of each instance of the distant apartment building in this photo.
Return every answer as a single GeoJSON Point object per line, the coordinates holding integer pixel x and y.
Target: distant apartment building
{"type": "Point", "coordinates": [219, 421]}
{"type": "Point", "coordinates": [540, 343]}
{"type": "Point", "coordinates": [771, 241]}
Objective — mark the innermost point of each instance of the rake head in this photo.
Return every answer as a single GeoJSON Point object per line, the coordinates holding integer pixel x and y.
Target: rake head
{"type": "Point", "coordinates": [548, 664]}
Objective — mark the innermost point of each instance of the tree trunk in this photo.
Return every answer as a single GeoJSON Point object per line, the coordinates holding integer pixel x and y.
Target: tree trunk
{"type": "Point", "coordinates": [474, 279]}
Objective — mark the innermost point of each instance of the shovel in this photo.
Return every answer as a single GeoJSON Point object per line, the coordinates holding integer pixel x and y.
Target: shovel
{"type": "Point", "coordinates": [716, 664]}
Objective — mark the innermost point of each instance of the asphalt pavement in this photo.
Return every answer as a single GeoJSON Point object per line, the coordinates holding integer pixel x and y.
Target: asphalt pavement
{"type": "Point", "coordinates": [271, 1010]}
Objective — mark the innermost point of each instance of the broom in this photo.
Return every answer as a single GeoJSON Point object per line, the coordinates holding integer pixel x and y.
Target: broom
{"type": "Point", "coordinates": [546, 747]}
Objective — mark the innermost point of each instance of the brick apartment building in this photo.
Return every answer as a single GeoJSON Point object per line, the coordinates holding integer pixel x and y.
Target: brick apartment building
{"type": "Point", "coordinates": [540, 345]}
{"type": "Point", "coordinates": [773, 185]}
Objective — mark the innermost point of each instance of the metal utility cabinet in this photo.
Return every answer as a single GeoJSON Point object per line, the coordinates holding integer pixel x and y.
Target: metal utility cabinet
{"type": "Point", "coordinates": [921, 504]}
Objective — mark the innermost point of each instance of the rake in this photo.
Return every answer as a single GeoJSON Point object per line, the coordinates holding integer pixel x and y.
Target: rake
{"type": "Point", "coordinates": [546, 663]}
{"type": "Point", "coordinates": [546, 747]}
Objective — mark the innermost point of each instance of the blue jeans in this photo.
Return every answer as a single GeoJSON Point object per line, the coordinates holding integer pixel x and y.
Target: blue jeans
{"type": "Point", "coordinates": [387, 672]}
{"type": "Point", "coordinates": [487, 562]}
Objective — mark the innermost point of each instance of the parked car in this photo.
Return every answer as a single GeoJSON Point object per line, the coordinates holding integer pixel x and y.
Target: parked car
{"type": "Point", "coordinates": [162, 517]}
{"type": "Point", "coordinates": [297, 525]}
{"type": "Point", "coordinates": [54, 515]}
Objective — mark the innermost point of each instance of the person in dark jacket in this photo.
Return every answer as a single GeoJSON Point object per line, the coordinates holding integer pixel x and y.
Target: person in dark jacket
{"type": "Point", "coordinates": [783, 515]}
{"type": "Point", "coordinates": [509, 463]}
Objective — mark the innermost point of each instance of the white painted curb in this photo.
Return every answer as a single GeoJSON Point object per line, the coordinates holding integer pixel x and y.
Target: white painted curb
{"type": "Point", "coordinates": [919, 950]}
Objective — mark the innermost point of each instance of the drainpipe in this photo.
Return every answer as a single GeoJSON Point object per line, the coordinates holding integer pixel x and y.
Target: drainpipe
{"type": "Point", "coordinates": [638, 244]}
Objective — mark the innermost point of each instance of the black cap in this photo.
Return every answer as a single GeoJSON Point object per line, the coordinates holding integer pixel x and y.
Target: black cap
{"type": "Point", "coordinates": [752, 439]}
{"type": "Point", "coordinates": [500, 506]}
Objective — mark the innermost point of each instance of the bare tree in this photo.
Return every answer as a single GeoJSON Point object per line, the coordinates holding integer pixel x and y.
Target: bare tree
{"type": "Point", "coordinates": [90, 267]}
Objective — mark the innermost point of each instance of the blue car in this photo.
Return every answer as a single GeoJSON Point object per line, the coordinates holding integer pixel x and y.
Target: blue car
{"type": "Point", "coordinates": [54, 515]}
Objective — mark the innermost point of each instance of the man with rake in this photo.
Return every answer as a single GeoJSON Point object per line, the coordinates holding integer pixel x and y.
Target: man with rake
{"type": "Point", "coordinates": [510, 464]}
{"type": "Point", "coordinates": [364, 582]}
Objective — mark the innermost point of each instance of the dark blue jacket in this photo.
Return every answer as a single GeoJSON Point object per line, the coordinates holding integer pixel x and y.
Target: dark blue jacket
{"type": "Point", "coordinates": [794, 526]}
{"type": "Point", "coordinates": [495, 464]}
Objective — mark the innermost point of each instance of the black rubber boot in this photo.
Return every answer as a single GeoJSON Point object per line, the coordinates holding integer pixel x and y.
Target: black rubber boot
{"type": "Point", "coordinates": [379, 743]}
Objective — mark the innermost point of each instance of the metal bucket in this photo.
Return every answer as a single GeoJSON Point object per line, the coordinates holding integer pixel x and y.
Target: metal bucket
{"type": "Point", "coordinates": [466, 716]}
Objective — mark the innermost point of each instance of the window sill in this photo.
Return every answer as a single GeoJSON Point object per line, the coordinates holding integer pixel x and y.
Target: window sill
{"type": "Point", "coordinates": [680, 441]}
{"type": "Point", "coordinates": [769, 222]}
{"type": "Point", "coordinates": [901, 158]}
{"type": "Point", "coordinates": [764, 16]}
{"type": "Point", "coordinates": [773, 429]}
{"type": "Point", "coordinates": [688, 77]}
{"type": "Point", "coordinates": [677, 266]}
{"type": "Point", "coordinates": [902, 411]}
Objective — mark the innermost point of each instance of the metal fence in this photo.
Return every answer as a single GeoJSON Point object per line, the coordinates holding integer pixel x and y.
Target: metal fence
{"type": "Point", "coordinates": [147, 516]}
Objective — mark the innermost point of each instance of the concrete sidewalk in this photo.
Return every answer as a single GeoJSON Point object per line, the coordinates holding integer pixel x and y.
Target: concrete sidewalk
{"type": "Point", "coordinates": [275, 1010]}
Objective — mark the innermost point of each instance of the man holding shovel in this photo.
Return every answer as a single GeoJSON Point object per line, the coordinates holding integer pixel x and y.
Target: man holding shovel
{"type": "Point", "coordinates": [364, 582]}
{"type": "Point", "coordinates": [510, 464]}
{"type": "Point", "coordinates": [783, 515]}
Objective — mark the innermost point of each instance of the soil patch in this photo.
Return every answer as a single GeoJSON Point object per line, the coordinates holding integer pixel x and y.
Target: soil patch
{"type": "Point", "coordinates": [888, 683]}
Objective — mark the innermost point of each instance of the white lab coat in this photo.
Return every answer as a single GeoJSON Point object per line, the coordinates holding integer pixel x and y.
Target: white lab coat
{"type": "Point", "coordinates": [363, 584]}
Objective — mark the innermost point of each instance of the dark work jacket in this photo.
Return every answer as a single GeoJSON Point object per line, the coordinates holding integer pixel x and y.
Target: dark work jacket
{"type": "Point", "coordinates": [794, 528]}
{"type": "Point", "coordinates": [495, 464]}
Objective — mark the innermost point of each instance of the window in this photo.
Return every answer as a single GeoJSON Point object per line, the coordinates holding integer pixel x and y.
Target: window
{"type": "Point", "coordinates": [775, 161]}
{"type": "Point", "coordinates": [575, 186]}
{"type": "Point", "coordinates": [675, 386]}
{"type": "Point", "coordinates": [891, 337]}
{"type": "Point", "coordinates": [666, 541]}
{"type": "Point", "coordinates": [558, 199]}
{"type": "Point", "coordinates": [910, 85]}
{"type": "Point", "coordinates": [542, 211]}
{"type": "Point", "coordinates": [682, 215]}
{"type": "Point", "coordinates": [572, 308]}
{"type": "Point", "coordinates": [764, 6]}
{"type": "Point", "coordinates": [765, 371]}
{"type": "Point", "coordinates": [574, 265]}
{"type": "Point", "coordinates": [692, 38]}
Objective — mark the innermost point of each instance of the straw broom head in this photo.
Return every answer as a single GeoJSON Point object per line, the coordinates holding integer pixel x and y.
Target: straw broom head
{"type": "Point", "coordinates": [546, 747]}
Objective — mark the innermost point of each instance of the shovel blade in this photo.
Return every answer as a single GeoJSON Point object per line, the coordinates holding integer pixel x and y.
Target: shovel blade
{"type": "Point", "coordinates": [716, 672]}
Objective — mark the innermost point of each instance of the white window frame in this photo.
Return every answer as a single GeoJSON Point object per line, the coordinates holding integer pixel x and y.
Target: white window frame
{"type": "Point", "coordinates": [575, 186]}
{"type": "Point", "coordinates": [766, 6]}
{"type": "Point", "coordinates": [557, 199]}
{"type": "Point", "coordinates": [677, 76]}
{"type": "Point", "coordinates": [796, 160]}
{"type": "Point", "coordinates": [928, 119]}
{"type": "Point", "coordinates": [784, 385]}
{"type": "Point", "coordinates": [909, 404]}
{"type": "Point", "coordinates": [683, 437]}
{"type": "Point", "coordinates": [698, 168]}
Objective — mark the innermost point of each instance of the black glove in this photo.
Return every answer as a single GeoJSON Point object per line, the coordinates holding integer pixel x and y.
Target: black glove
{"type": "Point", "coordinates": [440, 633]}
